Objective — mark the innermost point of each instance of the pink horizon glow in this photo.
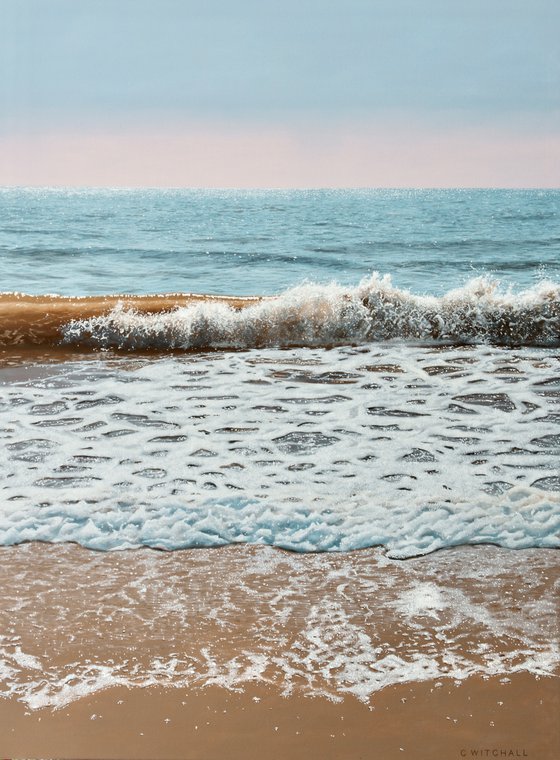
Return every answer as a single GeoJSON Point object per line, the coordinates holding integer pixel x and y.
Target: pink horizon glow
{"type": "Point", "coordinates": [213, 157]}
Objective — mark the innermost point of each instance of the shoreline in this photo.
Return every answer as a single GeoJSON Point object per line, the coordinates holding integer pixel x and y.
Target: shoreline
{"type": "Point", "coordinates": [247, 651]}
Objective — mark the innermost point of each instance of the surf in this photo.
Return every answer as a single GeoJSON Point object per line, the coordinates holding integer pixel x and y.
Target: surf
{"type": "Point", "coordinates": [309, 314]}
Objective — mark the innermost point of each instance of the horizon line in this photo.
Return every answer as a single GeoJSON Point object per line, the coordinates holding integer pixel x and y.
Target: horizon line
{"type": "Point", "coordinates": [277, 188]}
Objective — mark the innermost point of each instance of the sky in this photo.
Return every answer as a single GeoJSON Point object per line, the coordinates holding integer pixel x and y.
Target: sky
{"type": "Point", "coordinates": [280, 93]}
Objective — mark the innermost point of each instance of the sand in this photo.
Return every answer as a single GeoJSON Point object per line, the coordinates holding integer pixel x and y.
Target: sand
{"type": "Point", "coordinates": [421, 721]}
{"type": "Point", "coordinates": [65, 607]}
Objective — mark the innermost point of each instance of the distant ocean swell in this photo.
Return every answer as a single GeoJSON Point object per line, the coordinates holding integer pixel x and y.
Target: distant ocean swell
{"type": "Point", "coordinates": [305, 315]}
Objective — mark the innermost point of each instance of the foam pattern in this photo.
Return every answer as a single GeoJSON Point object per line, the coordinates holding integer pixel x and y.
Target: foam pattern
{"type": "Point", "coordinates": [412, 448]}
{"type": "Point", "coordinates": [328, 625]}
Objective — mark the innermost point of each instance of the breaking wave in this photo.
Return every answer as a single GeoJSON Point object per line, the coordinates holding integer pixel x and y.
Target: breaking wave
{"type": "Point", "coordinates": [325, 315]}
{"type": "Point", "coordinates": [305, 315]}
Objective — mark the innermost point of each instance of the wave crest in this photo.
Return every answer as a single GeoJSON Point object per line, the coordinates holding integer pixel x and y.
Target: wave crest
{"type": "Point", "coordinates": [333, 315]}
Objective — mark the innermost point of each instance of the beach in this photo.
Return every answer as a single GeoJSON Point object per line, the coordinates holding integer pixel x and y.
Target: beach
{"type": "Point", "coordinates": [318, 518]}
{"type": "Point", "coordinates": [245, 651]}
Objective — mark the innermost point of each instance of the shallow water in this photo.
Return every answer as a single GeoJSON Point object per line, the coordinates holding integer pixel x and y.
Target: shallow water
{"type": "Point", "coordinates": [74, 622]}
{"type": "Point", "coordinates": [414, 448]}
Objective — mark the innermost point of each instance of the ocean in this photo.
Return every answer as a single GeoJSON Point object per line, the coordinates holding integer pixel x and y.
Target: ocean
{"type": "Point", "coordinates": [314, 371]}
{"type": "Point", "coordinates": [87, 242]}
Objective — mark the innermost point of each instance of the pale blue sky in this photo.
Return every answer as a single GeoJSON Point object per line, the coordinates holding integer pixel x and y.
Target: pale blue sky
{"type": "Point", "coordinates": [83, 65]}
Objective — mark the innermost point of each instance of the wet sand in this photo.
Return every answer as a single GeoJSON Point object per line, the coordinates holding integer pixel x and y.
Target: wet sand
{"type": "Point", "coordinates": [252, 652]}
{"type": "Point", "coordinates": [418, 721]}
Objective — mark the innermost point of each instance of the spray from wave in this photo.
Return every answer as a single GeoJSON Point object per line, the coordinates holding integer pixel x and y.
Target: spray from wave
{"type": "Point", "coordinates": [333, 315]}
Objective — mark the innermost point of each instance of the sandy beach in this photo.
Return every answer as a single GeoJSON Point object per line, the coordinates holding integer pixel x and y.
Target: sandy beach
{"type": "Point", "coordinates": [478, 718]}
{"type": "Point", "coordinates": [249, 651]}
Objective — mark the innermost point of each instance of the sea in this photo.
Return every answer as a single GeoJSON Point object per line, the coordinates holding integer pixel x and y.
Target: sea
{"type": "Point", "coordinates": [312, 372]}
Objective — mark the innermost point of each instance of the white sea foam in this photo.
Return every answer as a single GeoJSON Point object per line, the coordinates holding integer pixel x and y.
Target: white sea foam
{"type": "Point", "coordinates": [414, 449]}
{"type": "Point", "coordinates": [327, 315]}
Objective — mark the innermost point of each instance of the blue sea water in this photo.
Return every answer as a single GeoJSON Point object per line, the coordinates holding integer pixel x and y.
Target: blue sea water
{"type": "Point", "coordinates": [80, 242]}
